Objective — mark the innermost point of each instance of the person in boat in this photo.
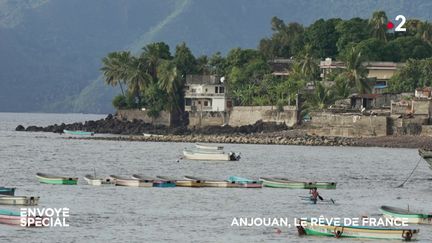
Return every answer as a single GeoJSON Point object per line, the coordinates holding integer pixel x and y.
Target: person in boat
{"type": "Point", "coordinates": [314, 195]}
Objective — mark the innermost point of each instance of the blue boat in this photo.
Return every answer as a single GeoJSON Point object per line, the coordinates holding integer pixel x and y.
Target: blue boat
{"type": "Point", "coordinates": [79, 133]}
{"type": "Point", "coordinates": [156, 182]}
{"type": "Point", "coordinates": [241, 180]}
{"type": "Point", "coordinates": [7, 191]}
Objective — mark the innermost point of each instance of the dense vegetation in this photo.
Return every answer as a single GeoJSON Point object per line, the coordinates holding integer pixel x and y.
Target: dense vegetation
{"type": "Point", "coordinates": [155, 79]}
{"type": "Point", "coordinates": [55, 47]}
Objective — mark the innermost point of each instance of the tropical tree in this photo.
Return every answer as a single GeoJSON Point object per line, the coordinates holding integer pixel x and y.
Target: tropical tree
{"type": "Point", "coordinates": [152, 55]}
{"type": "Point", "coordinates": [114, 69]}
{"type": "Point", "coordinates": [169, 81]}
{"type": "Point", "coordinates": [378, 24]}
{"type": "Point", "coordinates": [308, 63]}
{"type": "Point", "coordinates": [137, 78]}
{"type": "Point", "coordinates": [355, 72]}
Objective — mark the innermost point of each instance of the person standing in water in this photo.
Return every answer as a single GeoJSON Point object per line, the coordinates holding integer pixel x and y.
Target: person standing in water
{"type": "Point", "coordinates": [314, 195]}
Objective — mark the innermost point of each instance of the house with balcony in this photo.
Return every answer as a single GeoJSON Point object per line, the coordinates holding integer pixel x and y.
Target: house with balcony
{"type": "Point", "coordinates": [206, 100]}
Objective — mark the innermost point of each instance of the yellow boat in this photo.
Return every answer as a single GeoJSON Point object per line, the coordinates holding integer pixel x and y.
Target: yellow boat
{"type": "Point", "coordinates": [183, 182]}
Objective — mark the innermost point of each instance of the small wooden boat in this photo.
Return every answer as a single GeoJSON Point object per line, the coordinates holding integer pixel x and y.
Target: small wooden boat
{"type": "Point", "coordinates": [307, 228]}
{"type": "Point", "coordinates": [57, 180]}
{"type": "Point", "coordinates": [7, 191]}
{"type": "Point", "coordinates": [94, 181]}
{"type": "Point", "coordinates": [196, 155]}
{"type": "Point", "coordinates": [406, 215]}
{"type": "Point", "coordinates": [156, 182]}
{"type": "Point", "coordinates": [14, 218]}
{"type": "Point", "coordinates": [123, 181]}
{"type": "Point", "coordinates": [183, 182]}
{"type": "Point", "coordinates": [248, 183]}
{"type": "Point", "coordinates": [208, 146]}
{"type": "Point", "coordinates": [427, 156]}
{"type": "Point", "coordinates": [278, 182]}
{"type": "Point", "coordinates": [19, 200]}
{"type": "Point", "coordinates": [218, 183]}
{"type": "Point", "coordinates": [78, 133]}
{"type": "Point", "coordinates": [10, 217]}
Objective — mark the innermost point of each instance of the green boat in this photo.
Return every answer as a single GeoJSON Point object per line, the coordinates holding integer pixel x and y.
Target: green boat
{"type": "Point", "coordinates": [277, 182]}
{"type": "Point", "coordinates": [427, 155]}
{"type": "Point", "coordinates": [79, 133]}
{"type": "Point", "coordinates": [305, 227]}
{"type": "Point", "coordinates": [406, 215]}
{"type": "Point", "coordinates": [56, 180]}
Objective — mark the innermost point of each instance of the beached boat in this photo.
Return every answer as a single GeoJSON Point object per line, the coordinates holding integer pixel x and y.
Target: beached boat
{"type": "Point", "coordinates": [278, 182]}
{"type": "Point", "coordinates": [94, 181]}
{"type": "Point", "coordinates": [197, 155]}
{"type": "Point", "coordinates": [123, 181]}
{"type": "Point", "coordinates": [156, 182]}
{"type": "Point", "coordinates": [408, 216]}
{"type": "Point", "coordinates": [307, 228]}
{"type": "Point", "coordinates": [183, 182]}
{"type": "Point", "coordinates": [54, 179]}
{"type": "Point", "coordinates": [7, 191]}
{"type": "Point", "coordinates": [208, 146]}
{"type": "Point", "coordinates": [78, 133]}
{"type": "Point", "coordinates": [19, 200]}
{"type": "Point", "coordinates": [427, 155]}
{"type": "Point", "coordinates": [248, 183]}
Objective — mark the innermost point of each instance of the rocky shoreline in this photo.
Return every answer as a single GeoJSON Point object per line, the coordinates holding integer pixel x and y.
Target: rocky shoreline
{"type": "Point", "coordinates": [258, 133]}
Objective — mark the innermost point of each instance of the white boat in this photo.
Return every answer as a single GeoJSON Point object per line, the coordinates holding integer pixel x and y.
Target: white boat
{"type": "Point", "coordinates": [411, 217]}
{"type": "Point", "coordinates": [94, 181]}
{"type": "Point", "coordinates": [198, 155]}
{"type": "Point", "coordinates": [151, 135]}
{"type": "Point", "coordinates": [208, 146]}
{"type": "Point", "coordinates": [19, 200]}
{"type": "Point", "coordinates": [123, 181]}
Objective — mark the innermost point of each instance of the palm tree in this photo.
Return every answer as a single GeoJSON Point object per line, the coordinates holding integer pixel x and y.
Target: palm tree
{"type": "Point", "coordinates": [378, 23]}
{"type": "Point", "coordinates": [356, 72]}
{"type": "Point", "coordinates": [308, 64]}
{"type": "Point", "coordinates": [137, 78]}
{"type": "Point", "coordinates": [115, 68]}
{"type": "Point", "coordinates": [169, 81]}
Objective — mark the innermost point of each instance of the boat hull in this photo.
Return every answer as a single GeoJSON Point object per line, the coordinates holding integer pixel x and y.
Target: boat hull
{"type": "Point", "coordinates": [357, 232]}
{"type": "Point", "coordinates": [156, 182]}
{"type": "Point", "coordinates": [246, 183]}
{"type": "Point", "coordinates": [19, 200]}
{"type": "Point", "coordinates": [182, 182]}
{"type": "Point", "coordinates": [208, 146]}
{"type": "Point", "coordinates": [406, 216]}
{"type": "Point", "coordinates": [283, 183]}
{"type": "Point", "coordinates": [56, 180]}
{"type": "Point", "coordinates": [91, 180]}
{"type": "Point", "coordinates": [120, 181]}
{"type": "Point", "coordinates": [7, 191]}
{"type": "Point", "coordinates": [78, 133]}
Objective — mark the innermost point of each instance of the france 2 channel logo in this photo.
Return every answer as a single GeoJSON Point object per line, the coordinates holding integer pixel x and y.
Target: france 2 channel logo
{"type": "Point", "coordinates": [399, 27]}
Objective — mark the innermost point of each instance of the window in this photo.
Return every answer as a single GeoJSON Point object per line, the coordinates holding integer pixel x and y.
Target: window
{"type": "Point", "coordinates": [206, 103]}
{"type": "Point", "coordinates": [193, 90]}
{"type": "Point", "coordinates": [221, 90]}
{"type": "Point", "coordinates": [216, 89]}
{"type": "Point", "coordinates": [206, 90]}
{"type": "Point", "coordinates": [188, 102]}
{"type": "Point", "coordinates": [199, 102]}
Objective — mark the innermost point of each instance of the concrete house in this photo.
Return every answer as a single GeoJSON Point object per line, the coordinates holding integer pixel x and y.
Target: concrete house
{"type": "Point", "coordinates": [379, 72]}
{"type": "Point", "coordinates": [206, 100]}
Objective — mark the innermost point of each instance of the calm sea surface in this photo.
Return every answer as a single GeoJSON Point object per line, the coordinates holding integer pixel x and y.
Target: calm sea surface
{"type": "Point", "coordinates": [366, 178]}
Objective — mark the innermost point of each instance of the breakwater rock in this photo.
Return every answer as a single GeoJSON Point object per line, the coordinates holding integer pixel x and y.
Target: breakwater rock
{"type": "Point", "coordinates": [263, 138]}
{"type": "Point", "coordinates": [112, 125]}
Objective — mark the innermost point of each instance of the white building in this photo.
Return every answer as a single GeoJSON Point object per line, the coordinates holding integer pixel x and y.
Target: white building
{"type": "Point", "coordinates": [206, 93]}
